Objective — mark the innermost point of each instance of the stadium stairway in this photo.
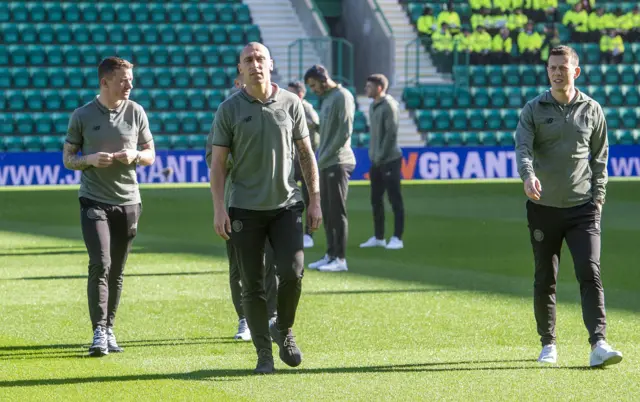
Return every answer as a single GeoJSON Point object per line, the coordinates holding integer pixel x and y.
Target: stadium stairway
{"type": "Point", "coordinates": [280, 26]}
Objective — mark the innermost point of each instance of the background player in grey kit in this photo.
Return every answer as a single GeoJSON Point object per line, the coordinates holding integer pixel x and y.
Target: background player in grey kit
{"type": "Point", "coordinates": [336, 162]}
{"type": "Point", "coordinates": [386, 162]}
{"type": "Point", "coordinates": [562, 155]}
{"type": "Point", "coordinates": [313, 121]}
{"type": "Point", "coordinates": [108, 131]}
{"type": "Point", "coordinates": [259, 126]}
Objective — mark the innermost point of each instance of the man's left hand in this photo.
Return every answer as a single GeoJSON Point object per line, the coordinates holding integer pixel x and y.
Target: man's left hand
{"type": "Point", "coordinates": [599, 205]}
{"type": "Point", "coordinates": [126, 156]}
{"type": "Point", "coordinates": [314, 213]}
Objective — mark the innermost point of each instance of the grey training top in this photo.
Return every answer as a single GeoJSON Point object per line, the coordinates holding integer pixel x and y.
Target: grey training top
{"type": "Point", "coordinates": [336, 126]}
{"type": "Point", "coordinates": [566, 147]}
{"type": "Point", "coordinates": [95, 128]}
{"type": "Point", "coordinates": [383, 119]}
{"type": "Point", "coordinates": [261, 138]}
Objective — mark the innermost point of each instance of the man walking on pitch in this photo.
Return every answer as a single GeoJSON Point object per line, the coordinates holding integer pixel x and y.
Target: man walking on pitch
{"type": "Point", "coordinates": [313, 122]}
{"type": "Point", "coordinates": [258, 127]}
{"type": "Point", "coordinates": [386, 162]}
{"type": "Point", "coordinates": [108, 131]}
{"type": "Point", "coordinates": [336, 162]}
{"type": "Point", "coordinates": [562, 155]}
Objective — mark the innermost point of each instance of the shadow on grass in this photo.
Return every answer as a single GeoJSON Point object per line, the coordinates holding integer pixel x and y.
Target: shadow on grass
{"type": "Point", "coordinates": [177, 273]}
{"type": "Point", "coordinates": [224, 374]}
{"type": "Point", "coordinates": [43, 253]}
{"type": "Point", "coordinates": [73, 350]}
{"type": "Point", "coordinates": [375, 291]}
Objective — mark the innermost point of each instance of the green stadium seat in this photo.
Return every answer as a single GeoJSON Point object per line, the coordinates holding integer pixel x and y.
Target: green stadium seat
{"type": "Point", "coordinates": [252, 33]}
{"type": "Point", "coordinates": [219, 78]}
{"type": "Point", "coordinates": [191, 13]}
{"type": "Point", "coordinates": [37, 13]}
{"type": "Point", "coordinates": [21, 78]}
{"type": "Point", "coordinates": [140, 13]}
{"type": "Point", "coordinates": [511, 75]}
{"type": "Point", "coordinates": [184, 34]}
{"type": "Point", "coordinates": [226, 14]}
{"type": "Point", "coordinates": [70, 99]}
{"type": "Point", "coordinates": [463, 99]}
{"type": "Point", "coordinates": [497, 97]}
{"type": "Point", "coordinates": [28, 33]}
{"type": "Point", "coordinates": [170, 123]}
{"type": "Point", "coordinates": [229, 55]}
{"type": "Point", "coordinates": [625, 137]}
{"type": "Point", "coordinates": [19, 55]}
{"type": "Point", "coordinates": [505, 138]}
{"type": "Point", "coordinates": [52, 100]}
{"type": "Point", "coordinates": [13, 144]}
{"type": "Point", "coordinates": [161, 141]}
{"type": "Point", "coordinates": [3, 103]}
{"type": "Point", "coordinates": [24, 123]}
{"type": "Point", "coordinates": [143, 97]}
{"type": "Point", "coordinates": [168, 34]}
{"type": "Point", "coordinates": [4, 56]}
{"type": "Point", "coordinates": [5, 78]}
{"type": "Point", "coordinates": [435, 139]}
{"type": "Point", "coordinates": [527, 76]}
{"type": "Point", "coordinates": [477, 119]}
{"type": "Point", "coordinates": [34, 101]}
{"type": "Point", "coordinates": [156, 13]}
{"type": "Point", "coordinates": [43, 123]}
{"type": "Point", "coordinates": [453, 139]}
{"type": "Point", "coordinates": [179, 100]}
{"type": "Point", "coordinates": [632, 96]}
{"type": "Point", "coordinates": [447, 99]}
{"type": "Point", "coordinates": [471, 139]}
{"type": "Point", "coordinates": [6, 125]}
{"type": "Point", "coordinates": [46, 35]}
{"type": "Point", "coordinates": [195, 55]}
{"type": "Point", "coordinates": [510, 119]}
{"type": "Point", "coordinates": [611, 76]}
{"type": "Point", "coordinates": [177, 55]}
{"type": "Point", "coordinates": [208, 13]}
{"type": "Point", "coordinates": [236, 34]}
{"type": "Point", "coordinates": [628, 75]}
{"type": "Point", "coordinates": [10, 34]}
{"type": "Point", "coordinates": [459, 120]}
{"type": "Point", "coordinates": [160, 55]}
{"type": "Point", "coordinates": [155, 123]}
{"type": "Point", "coordinates": [487, 138]}
{"type": "Point", "coordinates": [190, 124]}
{"type": "Point", "coordinates": [591, 53]}
{"type": "Point", "coordinates": [412, 97]}
{"type": "Point", "coordinates": [630, 118]}
{"type": "Point", "coordinates": [478, 76]}
{"type": "Point", "coordinates": [425, 120]}
{"type": "Point", "coordinates": [492, 120]}
{"type": "Point", "coordinates": [15, 101]}
{"type": "Point", "coordinates": [196, 99]}
{"type": "Point", "coordinates": [613, 118]}
{"type": "Point", "coordinates": [116, 34]}
{"type": "Point", "coordinates": [359, 122]}
{"type": "Point", "coordinates": [107, 13]}
{"type": "Point", "coordinates": [31, 143]}
{"type": "Point", "coordinates": [5, 13]}
{"type": "Point", "coordinates": [89, 12]}
{"type": "Point", "coordinates": [19, 11]}
{"type": "Point", "coordinates": [206, 120]}
{"type": "Point", "coordinates": [60, 122]}
{"type": "Point", "coordinates": [71, 13]}
{"type": "Point", "coordinates": [627, 57]}
{"type": "Point", "coordinates": [124, 13]}
{"type": "Point", "coordinates": [99, 34]}
{"type": "Point", "coordinates": [50, 143]}
{"type": "Point", "coordinates": [197, 141]}
{"type": "Point", "coordinates": [442, 120]}
{"type": "Point", "coordinates": [598, 93]}
{"type": "Point", "coordinates": [243, 14]}
{"type": "Point", "coordinates": [203, 35]}
{"type": "Point", "coordinates": [481, 98]}
{"type": "Point", "coordinates": [514, 97]}
{"type": "Point", "coordinates": [161, 100]}
{"type": "Point", "coordinates": [181, 80]}
{"type": "Point", "coordinates": [495, 75]}
{"type": "Point", "coordinates": [218, 34]}
{"type": "Point", "coordinates": [214, 99]}
{"type": "Point", "coordinates": [595, 75]}
{"type": "Point", "coordinates": [179, 142]}
{"type": "Point", "coordinates": [150, 34]}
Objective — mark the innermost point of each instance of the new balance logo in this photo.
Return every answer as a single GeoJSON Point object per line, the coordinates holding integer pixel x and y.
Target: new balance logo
{"type": "Point", "coordinates": [247, 119]}
{"type": "Point", "coordinates": [299, 219]}
{"type": "Point", "coordinates": [96, 128]}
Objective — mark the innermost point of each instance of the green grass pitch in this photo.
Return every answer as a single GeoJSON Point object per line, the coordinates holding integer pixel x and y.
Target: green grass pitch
{"type": "Point", "coordinates": [450, 317]}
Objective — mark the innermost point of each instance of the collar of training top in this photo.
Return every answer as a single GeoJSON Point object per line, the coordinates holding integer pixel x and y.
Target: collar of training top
{"type": "Point", "coordinates": [548, 98]}
{"type": "Point", "coordinates": [105, 109]}
{"type": "Point", "coordinates": [272, 98]}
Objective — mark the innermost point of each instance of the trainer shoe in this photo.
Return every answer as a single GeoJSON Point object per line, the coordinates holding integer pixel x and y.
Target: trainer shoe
{"type": "Point", "coordinates": [289, 352]}
{"type": "Point", "coordinates": [320, 262]}
{"type": "Point", "coordinates": [112, 344]}
{"type": "Point", "coordinates": [265, 362]}
{"type": "Point", "coordinates": [307, 241]}
{"type": "Point", "coordinates": [549, 354]}
{"type": "Point", "coordinates": [394, 244]}
{"type": "Point", "coordinates": [373, 242]}
{"type": "Point", "coordinates": [99, 346]}
{"type": "Point", "coordinates": [604, 355]}
{"type": "Point", "coordinates": [335, 265]}
{"type": "Point", "coordinates": [243, 331]}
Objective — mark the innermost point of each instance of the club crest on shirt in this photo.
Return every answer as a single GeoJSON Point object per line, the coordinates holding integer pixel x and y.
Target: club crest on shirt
{"type": "Point", "coordinates": [538, 235]}
{"type": "Point", "coordinates": [280, 115]}
{"type": "Point", "coordinates": [236, 226]}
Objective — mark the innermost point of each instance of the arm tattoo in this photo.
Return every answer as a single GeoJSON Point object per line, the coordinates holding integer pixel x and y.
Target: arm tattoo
{"type": "Point", "coordinates": [71, 159]}
{"type": "Point", "coordinates": [308, 165]}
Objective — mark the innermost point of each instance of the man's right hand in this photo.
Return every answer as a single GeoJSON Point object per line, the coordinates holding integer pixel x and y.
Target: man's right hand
{"type": "Point", "coordinates": [533, 188]}
{"type": "Point", "coordinates": [100, 159]}
{"type": "Point", "coordinates": [222, 224]}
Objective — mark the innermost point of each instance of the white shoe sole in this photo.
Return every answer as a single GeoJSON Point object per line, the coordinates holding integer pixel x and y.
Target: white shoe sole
{"type": "Point", "coordinates": [615, 359]}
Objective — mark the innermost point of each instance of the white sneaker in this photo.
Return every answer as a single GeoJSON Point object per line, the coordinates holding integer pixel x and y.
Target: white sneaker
{"type": "Point", "coordinates": [307, 241]}
{"type": "Point", "coordinates": [243, 331]}
{"type": "Point", "coordinates": [394, 244]}
{"type": "Point", "coordinates": [324, 260]}
{"type": "Point", "coordinates": [335, 265]}
{"type": "Point", "coordinates": [549, 354]}
{"type": "Point", "coordinates": [373, 242]}
{"type": "Point", "coordinates": [604, 355]}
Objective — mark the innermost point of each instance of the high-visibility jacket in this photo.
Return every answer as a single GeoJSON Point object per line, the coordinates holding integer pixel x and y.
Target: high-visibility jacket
{"type": "Point", "coordinates": [529, 42]}
{"type": "Point", "coordinates": [463, 42]}
{"type": "Point", "coordinates": [517, 21]}
{"type": "Point", "coordinates": [609, 44]}
{"type": "Point", "coordinates": [480, 20]}
{"type": "Point", "coordinates": [478, 4]}
{"type": "Point", "coordinates": [502, 5]}
{"type": "Point", "coordinates": [451, 18]}
{"type": "Point", "coordinates": [515, 4]}
{"type": "Point", "coordinates": [426, 24]}
{"type": "Point", "coordinates": [579, 20]}
{"type": "Point", "coordinates": [442, 41]}
{"type": "Point", "coordinates": [624, 21]}
{"type": "Point", "coordinates": [592, 3]}
{"type": "Point", "coordinates": [500, 44]}
{"type": "Point", "coordinates": [481, 42]}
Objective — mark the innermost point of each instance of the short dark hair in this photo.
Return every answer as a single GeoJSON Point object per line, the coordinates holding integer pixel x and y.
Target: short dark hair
{"type": "Point", "coordinates": [317, 72]}
{"type": "Point", "coordinates": [109, 65]}
{"type": "Point", "coordinates": [298, 86]}
{"type": "Point", "coordinates": [379, 80]}
{"type": "Point", "coordinates": [563, 50]}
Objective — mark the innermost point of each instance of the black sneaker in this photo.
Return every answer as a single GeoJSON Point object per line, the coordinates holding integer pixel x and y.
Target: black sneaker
{"type": "Point", "coordinates": [265, 362]}
{"type": "Point", "coordinates": [289, 352]}
{"type": "Point", "coordinates": [99, 346]}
